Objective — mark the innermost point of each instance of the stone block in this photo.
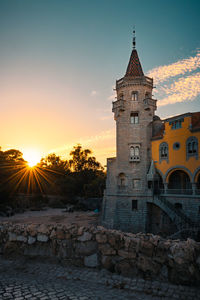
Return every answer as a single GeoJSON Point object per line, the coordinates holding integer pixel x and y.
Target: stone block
{"type": "Point", "coordinates": [85, 237]}
{"type": "Point", "coordinates": [106, 249]}
{"type": "Point", "coordinates": [101, 238]}
{"type": "Point", "coordinates": [32, 229]}
{"type": "Point", "coordinates": [12, 236]}
{"type": "Point", "coordinates": [31, 240]}
{"type": "Point", "coordinates": [91, 261]}
{"type": "Point", "coordinates": [42, 238]}
{"type": "Point", "coordinates": [125, 268]}
{"type": "Point", "coordinates": [126, 254]}
{"type": "Point", "coordinates": [107, 263]}
{"type": "Point", "coordinates": [85, 248]}
{"type": "Point", "coordinates": [21, 238]}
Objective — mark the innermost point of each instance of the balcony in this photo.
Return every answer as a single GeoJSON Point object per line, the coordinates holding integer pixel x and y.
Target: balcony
{"type": "Point", "coordinates": [148, 102]}
{"type": "Point", "coordinates": [119, 104]}
{"type": "Point", "coordinates": [134, 158]}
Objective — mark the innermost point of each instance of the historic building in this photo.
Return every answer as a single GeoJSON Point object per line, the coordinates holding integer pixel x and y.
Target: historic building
{"type": "Point", "coordinates": [153, 183]}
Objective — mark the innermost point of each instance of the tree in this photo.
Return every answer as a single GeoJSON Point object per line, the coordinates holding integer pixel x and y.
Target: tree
{"type": "Point", "coordinates": [11, 165]}
{"type": "Point", "coordinates": [54, 162]}
{"type": "Point", "coordinates": [81, 161]}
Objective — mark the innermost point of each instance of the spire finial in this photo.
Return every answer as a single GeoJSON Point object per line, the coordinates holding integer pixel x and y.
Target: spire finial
{"type": "Point", "coordinates": [134, 38]}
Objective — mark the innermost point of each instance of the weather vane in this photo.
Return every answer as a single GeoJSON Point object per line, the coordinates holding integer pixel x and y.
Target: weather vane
{"type": "Point", "coordinates": [134, 38]}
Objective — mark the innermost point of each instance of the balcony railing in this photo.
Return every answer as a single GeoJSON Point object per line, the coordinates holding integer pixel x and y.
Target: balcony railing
{"type": "Point", "coordinates": [134, 158]}
{"type": "Point", "coordinates": [149, 102]}
{"type": "Point", "coordinates": [119, 104]}
{"type": "Point", "coordinates": [177, 191]}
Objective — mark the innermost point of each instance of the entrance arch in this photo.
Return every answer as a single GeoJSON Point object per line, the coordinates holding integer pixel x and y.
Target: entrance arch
{"type": "Point", "coordinates": [179, 182]}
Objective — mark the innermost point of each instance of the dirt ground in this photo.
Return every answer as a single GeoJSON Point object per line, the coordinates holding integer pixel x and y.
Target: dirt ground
{"type": "Point", "coordinates": [54, 216]}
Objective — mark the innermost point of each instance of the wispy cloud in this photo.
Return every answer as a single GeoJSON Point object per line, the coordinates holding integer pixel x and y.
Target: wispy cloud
{"type": "Point", "coordinates": [177, 82]}
{"type": "Point", "coordinates": [162, 73]}
{"type": "Point", "coordinates": [106, 117]}
{"type": "Point", "coordinates": [93, 93]}
{"type": "Point", "coordinates": [95, 142]}
{"type": "Point", "coordinates": [184, 89]}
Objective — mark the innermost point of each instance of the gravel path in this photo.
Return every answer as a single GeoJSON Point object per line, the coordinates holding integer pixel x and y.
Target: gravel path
{"type": "Point", "coordinates": [54, 215]}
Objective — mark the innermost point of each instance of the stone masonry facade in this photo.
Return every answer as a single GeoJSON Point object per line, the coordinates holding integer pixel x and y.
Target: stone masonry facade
{"type": "Point", "coordinates": [133, 182]}
{"type": "Point", "coordinates": [126, 195]}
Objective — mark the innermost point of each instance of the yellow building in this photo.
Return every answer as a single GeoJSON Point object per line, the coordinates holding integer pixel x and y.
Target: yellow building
{"type": "Point", "coordinates": [176, 153]}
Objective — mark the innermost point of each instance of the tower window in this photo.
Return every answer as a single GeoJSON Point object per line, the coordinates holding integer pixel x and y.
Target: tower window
{"type": "Point", "coordinates": [134, 204]}
{"type": "Point", "coordinates": [136, 184]}
{"type": "Point", "coordinates": [135, 153]}
{"type": "Point", "coordinates": [121, 180]}
{"type": "Point", "coordinates": [192, 147]}
{"type": "Point", "coordinates": [134, 96]}
{"type": "Point", "coordinates": [134, 118]}
{"type": "Point", "coordinates": [163, 152]}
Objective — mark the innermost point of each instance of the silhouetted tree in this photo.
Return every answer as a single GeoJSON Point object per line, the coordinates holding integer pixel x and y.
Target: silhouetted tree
{"type": "Point", "coordinates": [81, 160]}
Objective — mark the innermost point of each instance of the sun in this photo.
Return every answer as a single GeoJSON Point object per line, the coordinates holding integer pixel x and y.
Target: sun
{"type": "Point", "coordinates": [32, 157]}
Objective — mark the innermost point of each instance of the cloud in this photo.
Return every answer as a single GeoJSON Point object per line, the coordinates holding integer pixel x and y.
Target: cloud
{"type": "Point", "coordinates": [93, 93]}
{"type": "Point", "coordinates": [106, 117]}
{"type": "Point", "coordinates": [177, 82]}
{"type": "Point", "coordinates": [186, 88]}
{"type": "Point", "coordinates": [162, 73]}
{"type": "Point", "coordinates": [87, 142]}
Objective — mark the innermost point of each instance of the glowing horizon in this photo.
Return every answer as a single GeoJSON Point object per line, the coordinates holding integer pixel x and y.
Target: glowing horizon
{"type": "Point", "coordinates": [59, 63]}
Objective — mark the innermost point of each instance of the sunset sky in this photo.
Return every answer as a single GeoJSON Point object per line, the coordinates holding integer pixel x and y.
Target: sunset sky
{"type": "Point", "coordinates": [59, 60]}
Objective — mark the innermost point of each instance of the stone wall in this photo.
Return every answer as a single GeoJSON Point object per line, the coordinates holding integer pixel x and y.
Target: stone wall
{"type": "Point", "coordinates": [145, 255]}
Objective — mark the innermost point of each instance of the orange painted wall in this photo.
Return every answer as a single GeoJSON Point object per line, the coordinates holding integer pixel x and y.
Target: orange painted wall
{"type": "Point", "coordinates": [176, 157]}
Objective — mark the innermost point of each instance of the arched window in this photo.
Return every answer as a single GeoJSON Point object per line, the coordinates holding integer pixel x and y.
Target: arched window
{"type": "Point", "coordinates": [192, 147]}
{"type": "Point", "coordinates": [134, 96]}
{"type": "Point", "coordinates": [179, 183]}
{"type": "Point", "coordinates": [137, 152]}
{"type": "Point", "coordinates": [163, 152]}
{"type": "Point", "coordinates": [134, 153]}
{"type": "Point", "coordinates": [134, 118]}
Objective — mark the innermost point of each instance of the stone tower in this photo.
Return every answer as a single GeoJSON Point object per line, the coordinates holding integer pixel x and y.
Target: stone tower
{"type": "Point", "coordinates": [127, 193]}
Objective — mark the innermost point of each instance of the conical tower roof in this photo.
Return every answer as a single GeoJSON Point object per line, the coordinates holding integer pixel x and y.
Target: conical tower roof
{"type": "Point", "coordinates": [134, 68]}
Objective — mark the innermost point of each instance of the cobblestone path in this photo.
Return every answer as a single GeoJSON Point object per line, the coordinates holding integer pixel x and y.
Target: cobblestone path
{"type": "Point", "coordinates": [26, 279]}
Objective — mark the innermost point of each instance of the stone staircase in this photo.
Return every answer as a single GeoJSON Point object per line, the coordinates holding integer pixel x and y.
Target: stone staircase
{"type": "Point", "coordinates": [182, 221]}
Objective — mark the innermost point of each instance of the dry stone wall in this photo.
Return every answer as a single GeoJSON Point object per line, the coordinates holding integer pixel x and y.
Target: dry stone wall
{"type": "Point", "coordinates": [145, 255]}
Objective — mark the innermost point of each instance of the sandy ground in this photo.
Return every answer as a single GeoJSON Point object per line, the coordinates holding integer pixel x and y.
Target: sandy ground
{"type": "Point", "coordinates": [54, 216]}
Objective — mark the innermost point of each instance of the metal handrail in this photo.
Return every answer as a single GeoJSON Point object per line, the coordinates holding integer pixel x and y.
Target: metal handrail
{"type": "Point", "coordinates": [177, 191]}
